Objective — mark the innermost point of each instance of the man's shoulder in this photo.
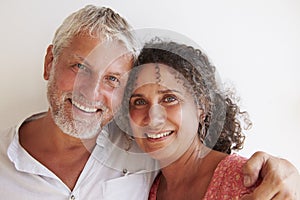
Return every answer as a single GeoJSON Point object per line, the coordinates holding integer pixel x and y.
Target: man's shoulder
{"type": "Point", "coordinates": [7, 134]}
{"type": "Point", "coordinates": [6, 137]}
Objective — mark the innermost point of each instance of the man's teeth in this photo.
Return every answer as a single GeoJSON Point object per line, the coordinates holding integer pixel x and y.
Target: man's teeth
{"type": "Point", "coordinates": [159, 135]}
{"type": "Point", "coordinates": [84, 108]}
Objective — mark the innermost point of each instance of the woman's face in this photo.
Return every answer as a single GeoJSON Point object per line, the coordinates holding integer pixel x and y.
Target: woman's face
{"type": "Point", "coordinates": [163, 115]}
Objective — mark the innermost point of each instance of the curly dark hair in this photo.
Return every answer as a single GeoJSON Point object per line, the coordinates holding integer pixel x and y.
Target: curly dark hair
{"type": "Point", "coordinates": [221, 128]}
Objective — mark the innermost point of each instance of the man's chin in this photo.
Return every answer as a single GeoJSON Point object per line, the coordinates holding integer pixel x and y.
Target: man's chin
{"type": "Point", "coordinates": [86, 132]}
{"type": "Point", "coordinates": [85, 135]}
{"type": "Point", "coordinates": [79, 131]}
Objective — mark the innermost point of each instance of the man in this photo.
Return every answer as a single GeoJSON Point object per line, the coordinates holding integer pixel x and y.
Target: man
{"type": "Point", "coordinates": [54, 155]}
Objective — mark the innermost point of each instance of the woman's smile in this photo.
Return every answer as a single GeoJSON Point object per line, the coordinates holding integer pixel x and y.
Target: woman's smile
{"type": "Point", "coordinates": [157, 136]}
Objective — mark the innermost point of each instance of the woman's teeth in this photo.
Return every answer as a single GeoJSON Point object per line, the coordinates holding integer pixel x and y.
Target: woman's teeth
{"type": "Point", "coordinates": [159, 135]}
{"type": "Point", "coordinates": [84, 108]}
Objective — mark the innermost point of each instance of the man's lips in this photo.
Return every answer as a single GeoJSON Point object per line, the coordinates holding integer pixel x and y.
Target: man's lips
{"type": "Point", "coordinates": [84, 108]}
{"type": "Point", "coordinates": [158, 135]}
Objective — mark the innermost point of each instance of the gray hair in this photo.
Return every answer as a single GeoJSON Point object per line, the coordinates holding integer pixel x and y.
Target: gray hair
{"type": "Point", "coordinates": [97, 22]}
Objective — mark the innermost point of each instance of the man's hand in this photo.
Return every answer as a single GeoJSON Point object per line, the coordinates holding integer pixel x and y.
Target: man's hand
{"type": "Point", "coordinates": [280, 179]}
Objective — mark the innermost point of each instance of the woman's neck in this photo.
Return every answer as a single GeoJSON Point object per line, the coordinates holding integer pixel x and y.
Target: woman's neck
{"type": "Point", "coordinates": [190, 174]}
{"type": "Point", "coordinates": [187, 165]}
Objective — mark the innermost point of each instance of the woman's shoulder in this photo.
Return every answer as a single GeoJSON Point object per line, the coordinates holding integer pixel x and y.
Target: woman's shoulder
{"type": "Point", "coordinates": [231, 164]}
{"type": "Point", "coordinates": [227, 181]}
{"type": "Point", "coordinates": [154, 188]}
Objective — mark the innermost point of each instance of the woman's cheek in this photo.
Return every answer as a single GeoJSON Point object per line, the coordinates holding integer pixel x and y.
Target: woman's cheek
{"type": "Point", "coordinates": [136, 116]}
{"type": "Point", "coordinates": [174, 114]}
{"type": "Point", "coordinates": [135, 126]}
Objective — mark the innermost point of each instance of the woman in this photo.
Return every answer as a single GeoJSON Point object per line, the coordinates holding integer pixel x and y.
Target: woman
{"type": "Point", "coordinates": [180, 116]}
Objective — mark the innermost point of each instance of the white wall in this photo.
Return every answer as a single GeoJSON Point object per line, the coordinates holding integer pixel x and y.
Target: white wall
{"type": "Point", "coordinates": [255, 45]}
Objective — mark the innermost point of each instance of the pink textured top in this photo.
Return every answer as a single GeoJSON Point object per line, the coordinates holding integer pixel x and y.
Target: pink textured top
{"type": "Point", "coordinates": [226, 183]}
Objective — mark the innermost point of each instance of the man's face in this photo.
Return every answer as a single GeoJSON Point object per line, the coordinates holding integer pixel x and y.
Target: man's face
{"type": "Point", "coordinates": [86, 84]}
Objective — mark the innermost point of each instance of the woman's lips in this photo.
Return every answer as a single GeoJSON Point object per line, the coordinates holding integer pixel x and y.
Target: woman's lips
{"type": "Point", "coordinates": [158, 135]}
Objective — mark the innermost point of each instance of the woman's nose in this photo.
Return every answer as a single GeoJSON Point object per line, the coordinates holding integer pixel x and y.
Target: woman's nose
{"type": "Point", "coordinates": [157, 115]}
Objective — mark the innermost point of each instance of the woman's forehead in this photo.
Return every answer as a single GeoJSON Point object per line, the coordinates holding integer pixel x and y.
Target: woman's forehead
{"type": "Point", "coordinates": [155, 73]}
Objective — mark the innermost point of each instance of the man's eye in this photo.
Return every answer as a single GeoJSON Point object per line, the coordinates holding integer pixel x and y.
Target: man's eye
{"type": "Point", "coordinates": [78, 67]}
{"type": "Point", "coordinates": [112, 81]}
{"type": "Point", "coordinates": [112, 78]}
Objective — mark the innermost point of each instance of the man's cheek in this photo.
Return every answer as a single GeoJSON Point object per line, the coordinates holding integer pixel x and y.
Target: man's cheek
{"type": "Point", "coordinates": [117, 99]}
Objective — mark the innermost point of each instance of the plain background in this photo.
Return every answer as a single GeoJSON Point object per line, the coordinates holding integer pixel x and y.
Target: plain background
{"type": "Point", "coordinates": [254, 44]}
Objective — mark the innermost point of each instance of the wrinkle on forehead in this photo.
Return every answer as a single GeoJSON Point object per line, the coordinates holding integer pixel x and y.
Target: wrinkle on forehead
{"type": "Point", "coordinates": [108, 52]}
{"type": "Point", "coordinates": [157, 73]}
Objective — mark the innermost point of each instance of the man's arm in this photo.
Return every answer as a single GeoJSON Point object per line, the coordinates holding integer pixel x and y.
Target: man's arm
{"type": "Point", "coordinates": [280, 179]}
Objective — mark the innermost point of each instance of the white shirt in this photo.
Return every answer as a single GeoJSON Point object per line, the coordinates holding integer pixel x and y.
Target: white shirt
{"type": "Point", "coordinates": [110, 173]}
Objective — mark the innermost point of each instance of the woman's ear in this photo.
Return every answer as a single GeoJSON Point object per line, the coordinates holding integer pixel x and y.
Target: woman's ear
{"type": "Point", "coordinates": [48, 61]}
{"type": "Point", "coordinates": [201, 115]}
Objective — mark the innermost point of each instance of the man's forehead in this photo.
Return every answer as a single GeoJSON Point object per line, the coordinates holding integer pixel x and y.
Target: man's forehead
{"type": "Point", "coordinates": [107, 53]}
{"type": "Point", "coordinates": [113, 63]}
{"type": "Point", "coordinates": [96, 51]}
{"type": "Point", "coordinates": [122, 64]}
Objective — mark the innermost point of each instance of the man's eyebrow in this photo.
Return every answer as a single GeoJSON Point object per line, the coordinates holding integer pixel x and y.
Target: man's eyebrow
{"type": "Point", "coordinates": [114, 73]}
{"type": "Point", "coordinates": [82, 59]}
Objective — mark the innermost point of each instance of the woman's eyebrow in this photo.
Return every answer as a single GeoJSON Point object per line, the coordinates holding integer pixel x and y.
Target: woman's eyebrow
{"type": "Point", "coordinates": [136, 95]}
{"type": "Point", "coordinates": [168, 91]}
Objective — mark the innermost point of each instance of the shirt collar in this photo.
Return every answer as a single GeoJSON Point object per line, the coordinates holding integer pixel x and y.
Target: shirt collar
{"type": "Point", "coordinates": [22, 160]}
{"type": "Point", "coordinates": [112, 150]}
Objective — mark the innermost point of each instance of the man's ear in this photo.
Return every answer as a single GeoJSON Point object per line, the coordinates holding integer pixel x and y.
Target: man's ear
{"type": "Point", "coordinates": [48, 61]}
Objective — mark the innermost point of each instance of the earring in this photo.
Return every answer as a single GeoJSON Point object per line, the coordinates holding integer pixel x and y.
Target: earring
{"type": "Point", "coordinates": [129, 140]}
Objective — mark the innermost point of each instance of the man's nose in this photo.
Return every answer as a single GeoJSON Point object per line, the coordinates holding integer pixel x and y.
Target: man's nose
{"type": "Point", "coordinates": [157, 115]}
{"type": "Point", "coordinates": [92, 88]}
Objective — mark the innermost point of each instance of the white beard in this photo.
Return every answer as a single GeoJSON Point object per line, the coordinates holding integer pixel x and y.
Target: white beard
{"type": "Point", "coordinates": [63, 116]}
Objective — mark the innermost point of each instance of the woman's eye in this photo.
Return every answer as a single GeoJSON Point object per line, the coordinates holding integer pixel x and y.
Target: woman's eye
{"type": "Point", "coordinates": [169, 99]}
{"type": "Point", "coordinates": [139, 102]}
{"type": "Point", "coordinates": [136, 102]}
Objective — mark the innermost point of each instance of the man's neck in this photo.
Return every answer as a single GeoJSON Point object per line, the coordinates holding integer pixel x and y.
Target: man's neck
{"type": "Point", "coordinates": [62, 154]}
